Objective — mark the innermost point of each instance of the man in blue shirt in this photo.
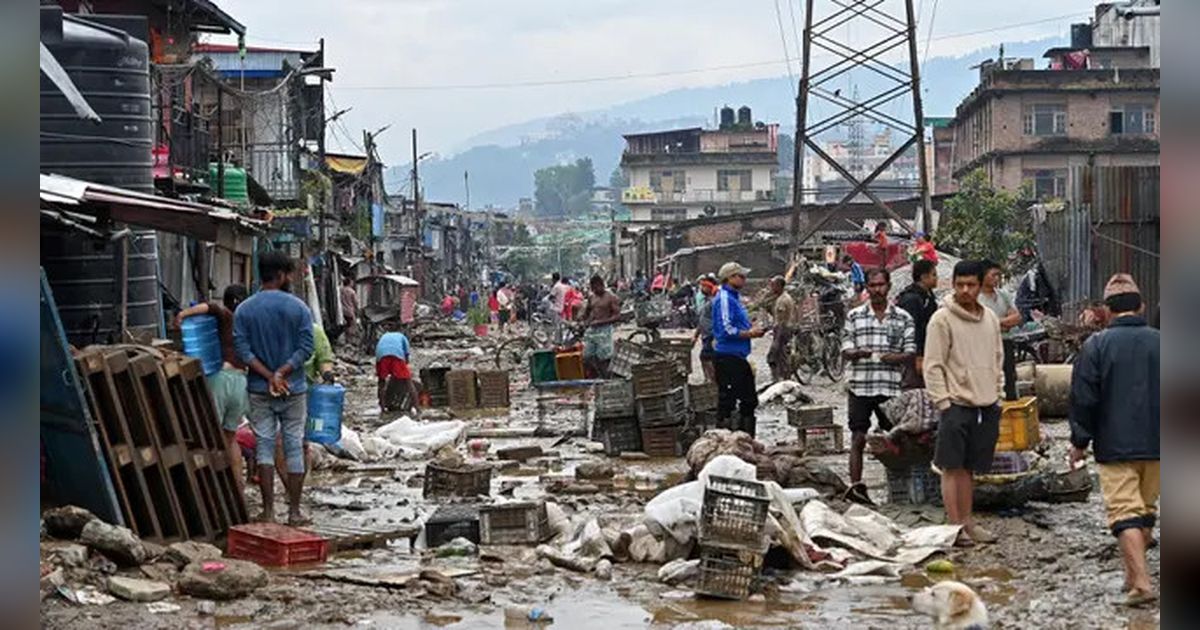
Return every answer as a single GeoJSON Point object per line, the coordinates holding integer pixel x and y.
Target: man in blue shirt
{"type": "Point", "coordinates": [857, 277]}
{"type": "Point", "coordinates": [732, 333]}
{"type": "Point", "coordinates": [273, 335]}
{"type": "Point", "coordinates": [394, 374]}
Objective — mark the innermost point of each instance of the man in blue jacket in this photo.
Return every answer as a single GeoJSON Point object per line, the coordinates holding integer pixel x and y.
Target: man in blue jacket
{"type": "Point", "coordinates": [273, 335]}
{"type": "Point", "coordinates": [1115, 407]}
{"type": "Point", "coordinates": [732, 333]}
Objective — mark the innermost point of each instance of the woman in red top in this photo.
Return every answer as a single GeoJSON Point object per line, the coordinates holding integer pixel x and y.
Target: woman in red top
{"type": "Point", "coordinates": [494, 306]}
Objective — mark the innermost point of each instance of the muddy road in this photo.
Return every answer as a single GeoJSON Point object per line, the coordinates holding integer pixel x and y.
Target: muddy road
{"type": "Point", "coordinates": [1055, 565]}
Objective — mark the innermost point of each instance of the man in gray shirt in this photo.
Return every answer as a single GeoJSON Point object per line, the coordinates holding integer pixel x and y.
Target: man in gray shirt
{"type": "Point", "coordinates": [1001, 303]}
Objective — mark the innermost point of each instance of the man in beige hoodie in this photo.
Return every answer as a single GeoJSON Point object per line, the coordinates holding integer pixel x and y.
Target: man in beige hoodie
{"type": "Point", "coordinates": [965, 378]}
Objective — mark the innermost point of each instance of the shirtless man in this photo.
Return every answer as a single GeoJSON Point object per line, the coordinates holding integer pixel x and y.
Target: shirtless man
{"type": "Point", "coordinates": [603, 309]}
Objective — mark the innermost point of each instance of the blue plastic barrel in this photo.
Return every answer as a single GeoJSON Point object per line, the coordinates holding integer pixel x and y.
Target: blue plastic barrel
{"type": "Point", "coordinates": [325, 413]}
{"type": "Point", "coordinates": [201, 340]}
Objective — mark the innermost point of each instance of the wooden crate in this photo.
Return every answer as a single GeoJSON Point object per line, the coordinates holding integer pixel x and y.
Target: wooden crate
{"type": "Point", "coordinates": [822, 440]}
{"type": "Point", "coordinates": [810, 415]}
{"type": "Point", "coordinates": [661, 441]}
{"type": "Point", "coordinates": [514, 523]}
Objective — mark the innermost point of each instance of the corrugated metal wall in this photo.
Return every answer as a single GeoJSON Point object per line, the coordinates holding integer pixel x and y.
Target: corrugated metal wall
{"type": "Point", "coordinates": [1110, 225]}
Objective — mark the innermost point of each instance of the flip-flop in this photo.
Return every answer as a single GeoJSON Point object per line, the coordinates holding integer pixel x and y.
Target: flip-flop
{"type": "Point", "coordinates": [964, 541]}
{"type": "Point", "coordinates": [1137, 598]}
{"type": "Point", "coordinates": [299, 521]}
{"type": "Point", "coordinates": [261, 517]}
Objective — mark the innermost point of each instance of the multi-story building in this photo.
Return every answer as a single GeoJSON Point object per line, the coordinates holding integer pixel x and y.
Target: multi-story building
{"type": "Point", "coordinates": [695, 172]}
{"type": "Point", "coordinates": [860, 156]}
{"type": "Point", "coordinates": [1095, 105]}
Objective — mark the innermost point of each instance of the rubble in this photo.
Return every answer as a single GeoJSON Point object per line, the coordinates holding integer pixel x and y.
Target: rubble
{"type": "Point", "coordinates": [222, 580]}
{"type": "Point", "coordinates": [66, 522]}
{"type": "Point", "coordinates": [117, 543]}
{"type": "Point", "coordinates": [137, 590]}
{"type": "Point", "coordinates": [190, 551]}
{"type": "Point", "coordinates": [67, 554]}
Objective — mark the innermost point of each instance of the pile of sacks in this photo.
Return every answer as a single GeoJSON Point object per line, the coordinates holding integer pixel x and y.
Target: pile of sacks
{"type": "Point", "coordinates": [785, 465]}
{"type": "Point", "coordinates": [401, 438]}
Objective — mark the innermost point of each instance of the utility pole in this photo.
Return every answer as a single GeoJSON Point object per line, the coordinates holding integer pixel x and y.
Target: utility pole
{"type": "Point", "coordinates": [829, 33]}
{"type": "Point", "coordinates": [418, 218]}
{"type": "Point", "coordinates": [323, 170]}
{"type": "Point", "coordinates": [467, 186]}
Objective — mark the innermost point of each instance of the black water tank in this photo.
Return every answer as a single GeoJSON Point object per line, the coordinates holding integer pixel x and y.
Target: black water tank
{"type": "Point", "coordinates": [744, 117]}
{"type": "Point", "coordinates": [1081, 36]}
{"type": "Point", "coordinates": [111, 71]}
{"type": "Point", "coordinates": [726, 117]}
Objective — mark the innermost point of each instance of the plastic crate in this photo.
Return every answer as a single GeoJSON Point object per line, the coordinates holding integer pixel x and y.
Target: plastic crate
{"type": "Point", "coordinates": [614, 399]}
{"type": "Point", "coordinates": [652, 311]}
{"type": "Point", "coordinates": [568, 366]}
{"type": "Point", "coordinates": [450, 522]}
{"type": "Point", "coordinates": [493, 388]}
{"type": "Point", "coordinates": [822, 440]}
{"type": "Point", "coordinates": [514, 523]}
{"type": "Point", "coordinates": [734, 513]}
{"type": "Point", "coordinates": [679, 351]}
{"type": "Point", "coordinates": [653, 378]}
{"type": "Point", "coordinates": [1008, 463]}
{"type": "Point", "coordinates": [728, 573]}
{"type": "Point", "coordinates": [625, 354]}
{"type": "Point", "coordinates": [1019, 426]}
{"type": "Point", "coordinates": [667, 409]}
{"type": "Point", "coordinates": [275, 545]}
{"type": "Point", "coordinates": [433, 381]}
{"type": "Point", "coordinates": [618, 435]}
{"type": "Point", "coordinates": [917, 484]}
{"type": "Point", "coordinates": [468, 481]}
{"type": "Point", "coordinates": [462, 389]}
{"type": "Point", "coordinates": [810, 415]}
{"type": "Point", "coordinates": [702, 397]}
{"type": "Point", "coordinates": [661, 441]}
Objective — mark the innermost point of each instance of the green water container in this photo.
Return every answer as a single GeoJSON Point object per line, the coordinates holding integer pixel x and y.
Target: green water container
{"type": "Point", "coordinates": [236, 188]}
{"type": "Point", "coordinates": [542, 366]}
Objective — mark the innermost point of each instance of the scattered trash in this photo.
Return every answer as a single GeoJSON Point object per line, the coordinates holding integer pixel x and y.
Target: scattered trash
{"type": "Point", "coordinates": [88, 596]}
{"type": "Point", "coordinates": [939, 566]}
{"type": "Point", "coordinates": [159, 608]}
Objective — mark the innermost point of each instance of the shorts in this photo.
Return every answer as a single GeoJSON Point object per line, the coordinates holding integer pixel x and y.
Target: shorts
{"type": "Point", "coordinates": [966, 438]}
{"type": "Point", "coordinates": [232, 400]}
{"type": "Point", "coordinates": [860, 408]}
{"type": "Point", "coordinates": [598, 343]}
{"type": "Point", "coordinates": [1130, 493]}
{"type": "Point", "coordinates": [271, 416]}
{"type": "Point", "coordinates": [394, 367]}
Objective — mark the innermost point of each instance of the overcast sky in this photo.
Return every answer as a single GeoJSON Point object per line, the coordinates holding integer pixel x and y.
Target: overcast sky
{"type": "Point", "coordinates": [379, 46]}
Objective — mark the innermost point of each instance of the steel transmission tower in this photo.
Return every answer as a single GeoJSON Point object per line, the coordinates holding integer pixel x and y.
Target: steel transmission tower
{"type": "Point", "coordinates": [820, 107]}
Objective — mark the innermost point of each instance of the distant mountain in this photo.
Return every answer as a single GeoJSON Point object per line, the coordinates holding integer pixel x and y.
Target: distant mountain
{"type": "Point", "coordinates": [501, 161]}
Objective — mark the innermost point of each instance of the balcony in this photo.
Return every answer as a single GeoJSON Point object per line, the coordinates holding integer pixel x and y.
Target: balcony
{"type": "Point", "coordinates": [640, 195]}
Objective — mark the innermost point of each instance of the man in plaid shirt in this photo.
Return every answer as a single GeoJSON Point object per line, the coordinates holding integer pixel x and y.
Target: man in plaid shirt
{"type": "Point", "coordinates": [878, 339]}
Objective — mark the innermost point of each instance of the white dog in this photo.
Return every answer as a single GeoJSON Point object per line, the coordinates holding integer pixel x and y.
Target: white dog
{"type": "Point", "coordinates": [953, 606]}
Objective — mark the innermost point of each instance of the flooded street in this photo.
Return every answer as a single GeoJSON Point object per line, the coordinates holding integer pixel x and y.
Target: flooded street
{"type": "Point", "coordinates": [1055, 565]}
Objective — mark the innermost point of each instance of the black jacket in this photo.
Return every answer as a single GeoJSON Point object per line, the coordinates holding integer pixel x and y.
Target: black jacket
{"type": "Point", "coordinates": [920, 303]}
{"type": "Point", "coordinates": [1114, 392]}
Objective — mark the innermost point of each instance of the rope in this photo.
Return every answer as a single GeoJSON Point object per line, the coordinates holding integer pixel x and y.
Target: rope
{"type": "Point", "coordinates": [1096, 231]}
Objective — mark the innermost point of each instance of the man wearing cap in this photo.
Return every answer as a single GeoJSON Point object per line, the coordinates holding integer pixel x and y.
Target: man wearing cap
{"type": "Point", "coordinates": [784, 315]}
{"type": "Point", "coordinates": [704, 321]}
{"type": "Point", "coordinates": [1115, 409]}
{"type": "Point", "coordinates": [732, 333]}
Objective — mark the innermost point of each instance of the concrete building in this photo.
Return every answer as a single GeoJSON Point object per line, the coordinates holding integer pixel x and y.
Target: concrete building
{"type": "Point", "coordinates": [860, 155]}
{"type": "Point", "coordinates": [690, 173]}
{"type": "Point", "coordinates": [1093, 106]}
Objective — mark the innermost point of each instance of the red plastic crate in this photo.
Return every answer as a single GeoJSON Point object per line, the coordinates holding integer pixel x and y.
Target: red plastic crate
{"type": "Point", "coordinates": [275, 545]}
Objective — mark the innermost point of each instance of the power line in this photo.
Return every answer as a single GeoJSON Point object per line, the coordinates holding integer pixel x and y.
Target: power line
{"type": "Point", "coordinates": [664, 73]}
{"type": "Point", "coordinates": [929, 33]}
{"type": "Point", "coordinates": [783, 40]}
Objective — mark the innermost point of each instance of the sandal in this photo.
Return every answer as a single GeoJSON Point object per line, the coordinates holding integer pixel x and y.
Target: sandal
{"type": "Point", "coordinates": [964, 540]}
{"type": "Point", "coordinates": [299, 520]}
{"type": "Point", "coordinates": [857, 493]}
{"type": "Point", "coordinates": [1137, 598]}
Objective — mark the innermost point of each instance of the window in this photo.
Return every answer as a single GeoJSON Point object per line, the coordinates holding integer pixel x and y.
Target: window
{"type": "Point", "coordinates": [1047, 183]}
{"type": "Point", "coordinates": [1045, 120]}
{"type": "Point", "coordinates": [668, 181]}
{"type": "Point", "coordinates": [1131, 119]}
{"type": "Point", "coordinates": [668, 214]}
{"type": "Point", "coordinates": [733, 180]}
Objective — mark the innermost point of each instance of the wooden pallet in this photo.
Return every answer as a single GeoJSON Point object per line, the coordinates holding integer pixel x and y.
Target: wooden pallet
{"type": "Point", "coordinates": [344, 537]}
{"type": "Point", "coordinates": [160, 437]}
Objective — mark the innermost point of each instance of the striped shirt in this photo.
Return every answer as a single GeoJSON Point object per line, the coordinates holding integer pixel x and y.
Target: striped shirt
{"type": "Point", "coordinates": [894, 334]}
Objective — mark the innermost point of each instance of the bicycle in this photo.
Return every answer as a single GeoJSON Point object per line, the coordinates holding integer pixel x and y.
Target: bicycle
{"type": "Point", "coordinates": [816, 348]}
{"type": "Point", "coordinates": [512, 352]}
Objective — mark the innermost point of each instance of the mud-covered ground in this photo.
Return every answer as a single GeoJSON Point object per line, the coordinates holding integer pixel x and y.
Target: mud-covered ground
{"type": "Point", "coordinates": [1055, 565]}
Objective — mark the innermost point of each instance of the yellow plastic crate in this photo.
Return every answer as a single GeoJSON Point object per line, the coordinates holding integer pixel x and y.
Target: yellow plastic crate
{"type": "Point", "coordinates": [1019, 426]}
